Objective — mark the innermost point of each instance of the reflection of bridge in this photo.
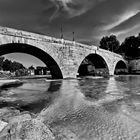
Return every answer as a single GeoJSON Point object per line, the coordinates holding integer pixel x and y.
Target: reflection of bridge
{"type": "Point", "coordinates": [63, 57]}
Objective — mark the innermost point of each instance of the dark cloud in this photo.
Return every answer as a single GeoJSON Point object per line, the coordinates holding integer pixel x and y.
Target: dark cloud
{"type": "Point", "coordinates": [89, 19]}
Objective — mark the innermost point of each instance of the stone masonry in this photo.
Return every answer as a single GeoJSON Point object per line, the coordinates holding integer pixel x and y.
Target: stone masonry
{"type": "Point", "coordinates": [67, 54]}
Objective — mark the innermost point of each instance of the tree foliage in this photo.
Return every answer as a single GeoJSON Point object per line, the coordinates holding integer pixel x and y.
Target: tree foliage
{"type": "Point", "coordinates": [110, 43]}
{"type": "Point", "coordinates": [16, 66]}
{"type": "Point", "coordinates": [8, 65]}
{"type": "Point", "coordinates": [1, 62]}
{"type": "Point", "coordinates": [21, 72]}
{"type": "Point", "coordinates": [130, 46]}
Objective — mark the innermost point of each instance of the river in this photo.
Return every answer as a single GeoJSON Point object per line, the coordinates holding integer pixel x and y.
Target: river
{"type": "Point", "coordinates": [82, 109]}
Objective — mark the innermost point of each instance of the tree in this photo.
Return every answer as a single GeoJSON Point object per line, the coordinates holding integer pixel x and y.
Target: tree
{"type": "Point", "coordinates": [16, 66]}
{"type": "Point", "coordinates": [110, 43]}
{"type": "Point", "coordinates": [138, 40]}
{"type": "Point", "coordinates": [1, 62]}
{"type": "Point", "coordinates": [130, 46]}
{"type": "Point", "coordinates": [21, 72]}
{"type": "Point", "coordinates": [7, 65]}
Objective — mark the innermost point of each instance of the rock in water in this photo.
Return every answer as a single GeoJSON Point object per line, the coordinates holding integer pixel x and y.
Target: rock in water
{"type": "Point", "coordinates": [7, 113]}
{"type": "Point", "coordinates": [25, 128]}
{"type": "Point", "coordinates": [2, 125]}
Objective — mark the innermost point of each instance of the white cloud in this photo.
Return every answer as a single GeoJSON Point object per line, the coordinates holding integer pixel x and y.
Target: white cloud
{"type": "Point", "coordinates": [73, 7]}
{"type": "Point", "coordinates": [121, 18]}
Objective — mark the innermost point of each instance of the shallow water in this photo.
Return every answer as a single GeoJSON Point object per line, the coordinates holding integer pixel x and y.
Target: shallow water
{"type": "Point", "coordinates": [85, 109]}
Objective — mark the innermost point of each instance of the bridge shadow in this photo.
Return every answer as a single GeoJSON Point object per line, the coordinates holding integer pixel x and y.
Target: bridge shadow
{"type": "Point", "coordinates": [40, 100]}
{"type": "Point", "coordinates": [93, 89]}
{"type": "Point", "coordinates": [116, 95]}
{"type": "Point", "coordinates": [49, 96]}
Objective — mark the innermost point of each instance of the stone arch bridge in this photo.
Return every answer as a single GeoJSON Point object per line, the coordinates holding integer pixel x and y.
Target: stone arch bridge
{"type": "Point", "coordinates": [63, 57]}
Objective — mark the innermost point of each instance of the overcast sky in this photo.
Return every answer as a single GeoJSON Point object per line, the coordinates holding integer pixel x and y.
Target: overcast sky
{"type": "Point", "coordinates": [89, 19]}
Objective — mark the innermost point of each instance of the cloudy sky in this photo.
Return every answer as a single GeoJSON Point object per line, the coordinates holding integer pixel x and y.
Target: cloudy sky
{"type": "Point", "coordinates": [89, 19]}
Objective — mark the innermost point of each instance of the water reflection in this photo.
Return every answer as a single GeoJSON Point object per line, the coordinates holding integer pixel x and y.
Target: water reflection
{"type": "Point", "coordinates": [77, 114]}
{"type": "Point", "coordinates": [93, 89]}
{"type": "Point", "coordinates": [10, 85]}
{"type": "Point", "coordinates": [85, 109]}
{"type": "Point", "coordinates": [45, 98]}
{"type": "Point", "coordinates": [54, 85]}
{"type": "Point", "coordinates": [33, 95]}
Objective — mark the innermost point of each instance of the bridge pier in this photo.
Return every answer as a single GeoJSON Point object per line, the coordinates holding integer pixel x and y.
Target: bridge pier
{"type": "Point", "coordinates": [111, 72]}
{"type": "Point", "coordinates": [68, 75]}
{"type": "Point", "coordinates": [69, 71]}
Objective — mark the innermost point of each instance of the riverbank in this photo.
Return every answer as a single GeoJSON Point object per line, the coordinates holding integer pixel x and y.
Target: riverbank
{"type": "Point", "coordinates": [32, 77]}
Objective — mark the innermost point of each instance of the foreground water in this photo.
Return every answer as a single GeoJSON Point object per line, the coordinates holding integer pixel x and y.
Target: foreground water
{"type": "Point", "coordinates": [85, 109]}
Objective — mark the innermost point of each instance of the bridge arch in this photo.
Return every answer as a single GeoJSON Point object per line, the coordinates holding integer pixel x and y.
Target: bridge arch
{"type": "Point", "coordinates": [35, 51]}
{"type": "Point", "coordinates": [120, 67]}
{"type": "Point", "coordinates": [93, 64]}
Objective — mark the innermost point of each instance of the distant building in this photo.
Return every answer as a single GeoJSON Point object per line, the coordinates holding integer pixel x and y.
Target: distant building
{"type": "Point", "coordinates": [134, 66]}
{"type": "Point", "coordinates": [41, 70]}
{"type": "Point", "coordinates": [31, 70]}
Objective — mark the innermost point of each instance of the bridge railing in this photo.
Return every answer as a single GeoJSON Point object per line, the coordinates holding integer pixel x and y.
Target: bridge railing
{"type": "Point", "coordinates": [38, 37]}
{"type": "Point", "coordinates": [32, 36]}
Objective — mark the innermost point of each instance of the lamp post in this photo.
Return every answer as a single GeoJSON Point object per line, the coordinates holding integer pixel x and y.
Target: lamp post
{"type": "Point", "coordinates": [73, 36]}
{"type": "Point", "coordinates": [61, 36]}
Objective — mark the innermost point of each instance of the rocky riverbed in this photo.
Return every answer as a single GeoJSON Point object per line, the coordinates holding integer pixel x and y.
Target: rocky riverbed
{"type": "Point", "coordinates": [15, 125]}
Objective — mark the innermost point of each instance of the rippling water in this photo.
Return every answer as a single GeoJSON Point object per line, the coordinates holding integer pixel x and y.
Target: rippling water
{"type": "Point", "coordinates": [82, 109]}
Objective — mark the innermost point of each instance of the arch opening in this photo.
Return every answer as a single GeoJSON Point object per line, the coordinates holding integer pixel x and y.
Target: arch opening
{"type": "Point", "coordinates": [36, 52]}
{"type": "Point", "coordinates": [120, 68]}
{"type": "Point", "coordinates": [93, 65]}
